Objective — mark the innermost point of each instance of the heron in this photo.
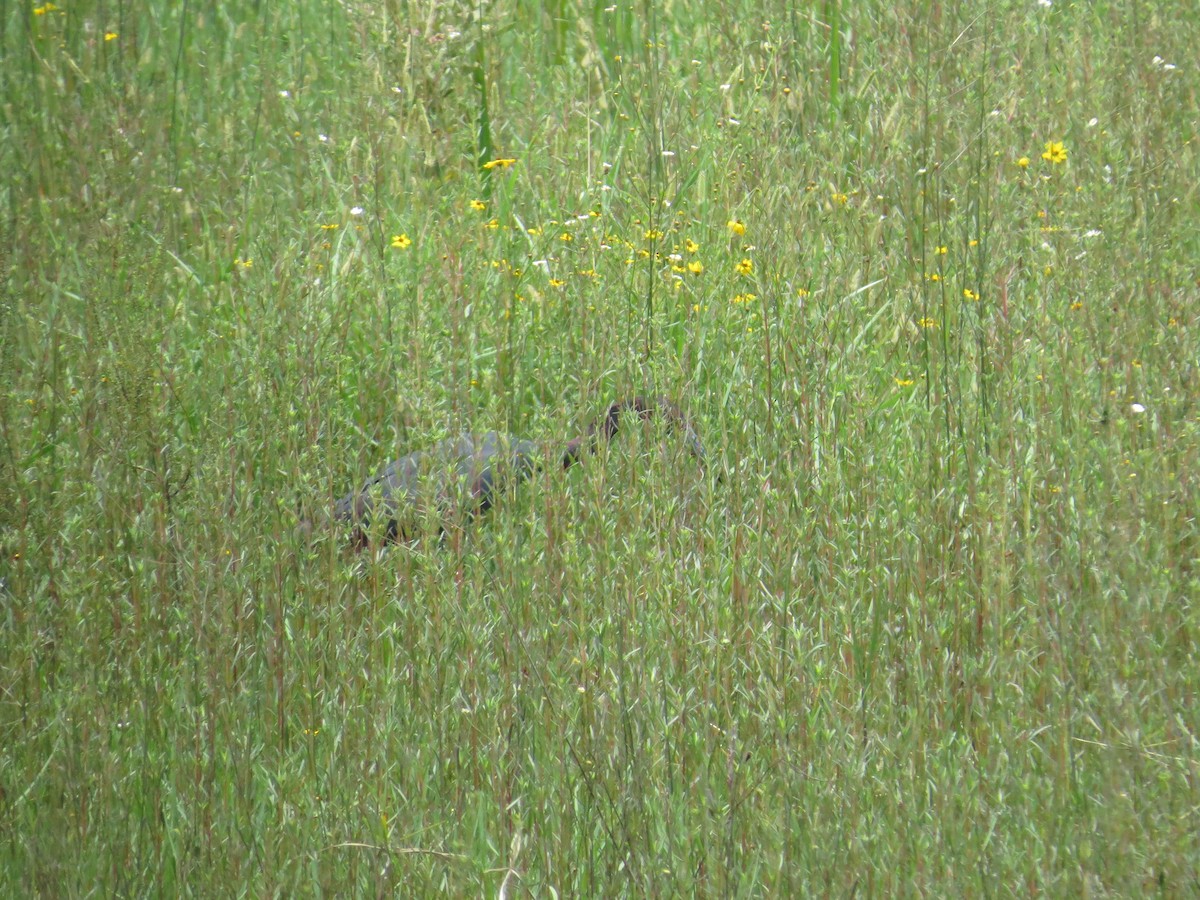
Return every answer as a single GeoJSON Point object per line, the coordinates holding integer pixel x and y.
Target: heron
{"type": "Point", "coordinates": [467, 473]}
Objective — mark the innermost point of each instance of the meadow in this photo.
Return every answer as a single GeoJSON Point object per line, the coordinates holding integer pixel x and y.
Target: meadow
{"type": "Point", "coordinates": [924, 274]}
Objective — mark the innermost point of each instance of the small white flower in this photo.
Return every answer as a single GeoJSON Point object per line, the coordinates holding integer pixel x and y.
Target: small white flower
{"type": "Point", "coordinates": [1136, 408]}
{"type": "Point", "coordinates": [323, 138]}
{"type": "Point", "coordinates": [356, 210]}
{"type": "Point", "coordinates": [285, 94]}
{"type": "Point", "coordinates": [1093, 232]}
{"type": "Point", "coordinates": [1046, 3]}
{"type": "Point", "coordinates": [1093, 122]}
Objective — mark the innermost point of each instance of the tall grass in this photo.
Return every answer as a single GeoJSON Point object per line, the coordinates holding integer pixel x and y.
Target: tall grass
{"type": "Point", "coordinates": [931, 633]}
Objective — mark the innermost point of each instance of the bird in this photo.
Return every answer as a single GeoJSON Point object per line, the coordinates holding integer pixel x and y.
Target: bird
{"type": "Point", "coordinates": [465, 474]}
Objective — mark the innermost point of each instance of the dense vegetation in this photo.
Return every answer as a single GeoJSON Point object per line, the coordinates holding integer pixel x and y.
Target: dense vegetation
{"type": "Point", "coordinates": [925, 276]}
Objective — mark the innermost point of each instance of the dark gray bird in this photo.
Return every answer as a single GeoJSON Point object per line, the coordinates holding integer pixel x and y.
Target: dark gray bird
{"type": "Point", "coordinates": [466, 473]}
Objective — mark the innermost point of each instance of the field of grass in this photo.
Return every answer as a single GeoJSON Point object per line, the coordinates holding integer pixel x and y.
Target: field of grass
{"type": "Point", "coordinates": [926, 275]}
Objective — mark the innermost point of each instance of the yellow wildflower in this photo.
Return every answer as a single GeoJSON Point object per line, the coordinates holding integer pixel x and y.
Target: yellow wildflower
{"type": "Point", "coordinates": [695, 267]}
{"type": "Point", "coordinates": [500, 163]}
{"type": "Point", "coordinates": [1055, 152]}
{"type": "Point", "coordinates": [736, 226]}
{"type": "Point", "coordinates": [478, 205]}
{"type": "Point", "coordinates": [401, 241]}
{"type": "Point", "coordinates": [745, 267]}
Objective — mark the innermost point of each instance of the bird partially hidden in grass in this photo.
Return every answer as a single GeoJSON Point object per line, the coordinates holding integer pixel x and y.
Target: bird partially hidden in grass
{"type": "Point", "coordinates": [463, 476]}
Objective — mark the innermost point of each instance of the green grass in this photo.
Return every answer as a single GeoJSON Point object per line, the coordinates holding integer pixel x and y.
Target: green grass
{"type": "Point", "coordinates": [933, 634]}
